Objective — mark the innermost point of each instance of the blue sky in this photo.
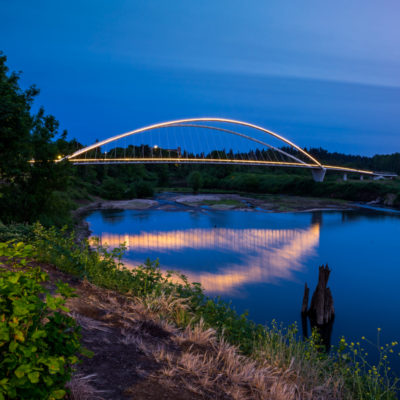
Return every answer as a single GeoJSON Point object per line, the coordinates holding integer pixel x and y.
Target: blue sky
{"type": "Point", "coordinates": [320, 73]}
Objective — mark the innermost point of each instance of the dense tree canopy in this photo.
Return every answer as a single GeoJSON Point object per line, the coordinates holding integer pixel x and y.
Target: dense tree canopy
{"type": "Point", "coordinates": [29, 191]}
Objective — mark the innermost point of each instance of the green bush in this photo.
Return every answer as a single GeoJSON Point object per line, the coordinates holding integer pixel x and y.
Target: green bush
{"type": "Point", "coordinates": [39, 343]}
{"type": "Point", "coordinates": [195, 181]}
{"type": "Point", "coordinates": [144, 189]}
{"type": "Point", "coordinates": [18, 232]}
{"type": "Point", "coordinates": [131, 192]}
{"type": "Point", "coordinates": [100, 266]}
{"type": "Point", "coordinates": [112, 189]}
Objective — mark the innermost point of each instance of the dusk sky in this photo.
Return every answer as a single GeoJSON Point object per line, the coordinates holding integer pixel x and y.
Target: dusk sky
{"type": "Point", "coordinates": [321, 73]}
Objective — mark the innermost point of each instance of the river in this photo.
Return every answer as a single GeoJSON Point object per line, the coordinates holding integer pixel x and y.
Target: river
{"type": "Point", "coordinates": [260, 260]}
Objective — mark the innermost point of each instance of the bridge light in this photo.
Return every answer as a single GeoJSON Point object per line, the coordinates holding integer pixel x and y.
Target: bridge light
{"type": "Point", "coordinates": [59, 157]}
{"type": "Point", "coordinates": [155, 146]}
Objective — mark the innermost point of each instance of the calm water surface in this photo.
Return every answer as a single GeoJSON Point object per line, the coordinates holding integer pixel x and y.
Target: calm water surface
{"type": "Point", "coordinates": [261, 260]}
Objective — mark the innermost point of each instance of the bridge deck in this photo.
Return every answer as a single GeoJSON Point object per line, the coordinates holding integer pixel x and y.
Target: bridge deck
{"type": "Point", "coordinates": [98, 161]}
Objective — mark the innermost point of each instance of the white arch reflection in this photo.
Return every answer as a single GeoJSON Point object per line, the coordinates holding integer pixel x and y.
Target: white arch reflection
{"type": "Point", "coordinates": [268, 254]}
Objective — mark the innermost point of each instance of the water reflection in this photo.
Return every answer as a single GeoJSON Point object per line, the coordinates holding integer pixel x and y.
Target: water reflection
{"type": "Point", "coordinates": [262, 255]}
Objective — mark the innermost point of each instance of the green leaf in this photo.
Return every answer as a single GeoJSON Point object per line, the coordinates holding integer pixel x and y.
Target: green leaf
{"type": "Point", "coordinates": [47, 380]}
{"type": "Point", "coordinates": [65, 309]}
{"type": "Point", "coordinates": [54, 366]}
{"type": "Point", "coordinates": [34, 377]}
{"type": "Point", "coordinates": [21, 307]}
{"type": "Point", "coordinates": [3, 382]}
{"type": "Point", "coordinates": [38, 334]}
{"type": "Point", "coordinates": [14, 278]}
{"type": "Point", "coordinates": [58, 394]}
{"type": "Point", "coordinates": [4, 333]}
{"type": "Point", "coordinates": [18, 335]}
{"type": "Point", "coordinates": [13, 346]}
{"type": "Point", "coordinates": [87, 353]}
{"type": "Point", "coordinates": [22, 370]}
{"type": "Point", "coordinates": [52, 302]}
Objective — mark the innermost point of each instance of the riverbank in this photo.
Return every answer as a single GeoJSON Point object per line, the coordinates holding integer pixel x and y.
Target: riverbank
{"type": "Point", "coordinates": [140, 353]}
{"type": "Point", "coordinates": [153, 338]}
{"type": "Point", "coordinates": [170, 201]}
{"type": "Point", "coordinates": [219, 201]}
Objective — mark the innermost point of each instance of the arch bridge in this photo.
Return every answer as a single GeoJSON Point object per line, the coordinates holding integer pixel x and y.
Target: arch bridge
{"type": "Point", "coordinates": [204, 141]}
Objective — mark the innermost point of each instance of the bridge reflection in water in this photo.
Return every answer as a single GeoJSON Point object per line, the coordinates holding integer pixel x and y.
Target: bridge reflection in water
{"type": "Point", "coordinates": [264, 255]}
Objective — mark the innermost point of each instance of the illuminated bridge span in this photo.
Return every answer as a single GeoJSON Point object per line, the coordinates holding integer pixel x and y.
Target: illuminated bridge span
{"type": "Point", "coordinates": [206, 141]}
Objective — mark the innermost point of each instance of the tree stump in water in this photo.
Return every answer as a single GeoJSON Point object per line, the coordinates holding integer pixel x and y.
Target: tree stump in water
{"type": "Point", "coordinates": [305, 300]}
{"type": "Point", "coordinates": [321, 307]}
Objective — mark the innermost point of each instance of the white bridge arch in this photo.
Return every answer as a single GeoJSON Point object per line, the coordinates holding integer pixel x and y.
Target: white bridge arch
{"type": "Point", "coordinates": [318, 169]}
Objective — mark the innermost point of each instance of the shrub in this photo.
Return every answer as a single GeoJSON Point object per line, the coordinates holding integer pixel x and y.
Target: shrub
{"type": "Point", "coordinates": [195, 181]}
{"type": "Point", "coordinates": [39, 343]}
{"type": "Point", "coordinates": [130, 193]}
{"type": "Point", "coordinates": [144, 189]}
{"type": "Point", "coordinates": [18, 232]}
{"type": "Point", "coordinates": [112, 189]}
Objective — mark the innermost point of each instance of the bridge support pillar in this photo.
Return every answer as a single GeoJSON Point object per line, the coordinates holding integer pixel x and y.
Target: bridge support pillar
{"type": "Point", "coordinates": [318, 174]}
{"type": "Point", "coordinates": [345, 176]}
{"type": "Point", "coordinates": [361, 177]}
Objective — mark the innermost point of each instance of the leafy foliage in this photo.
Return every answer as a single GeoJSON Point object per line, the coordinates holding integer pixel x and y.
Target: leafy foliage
{"type": "Point", "coordinates": [195, 181]}
{"type": "Point", "coordinates": [39, 343]}
{"type": "Point", "coordinates": [28, 190]}
{"type": "Point", "coordinates": [17, 232]}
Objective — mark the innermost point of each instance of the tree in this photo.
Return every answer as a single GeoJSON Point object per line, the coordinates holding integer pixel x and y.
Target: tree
{"type": "Point", "coordinates": [195, 181]}
{"type": "Point", "coordinates": [15, 125]}
{"type": "Point", "coordinates": [28, 190]}
{"type": "Point", "coordinates": [112, 189]}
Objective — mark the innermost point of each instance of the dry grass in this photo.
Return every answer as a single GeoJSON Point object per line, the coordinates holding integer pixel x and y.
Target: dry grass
{"type": "Point", "coordinates": [81, 388]}
{"type": "Point", "coordinates": [286, 375]}
{"type": "Point", "coordinates": [193, 358]}
{"type": "Point", "coordinates": [210, 367]}
{"type": "Point", "coordinates": [89, 323]}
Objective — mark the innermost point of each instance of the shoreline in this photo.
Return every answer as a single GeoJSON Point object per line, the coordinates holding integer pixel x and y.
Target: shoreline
{"type": "Point", "coordinates": [174, 201]}
{"type": "Point", "coordinates": [220, 202]}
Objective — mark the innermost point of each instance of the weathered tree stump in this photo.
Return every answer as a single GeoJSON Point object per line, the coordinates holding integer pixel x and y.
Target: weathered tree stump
{"type": "Point", "coordinates": [321, 307]}
{"type": "Point", "coordinates": [321, 312]}
{"type": "Point", "coordinates": [305, 299]}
